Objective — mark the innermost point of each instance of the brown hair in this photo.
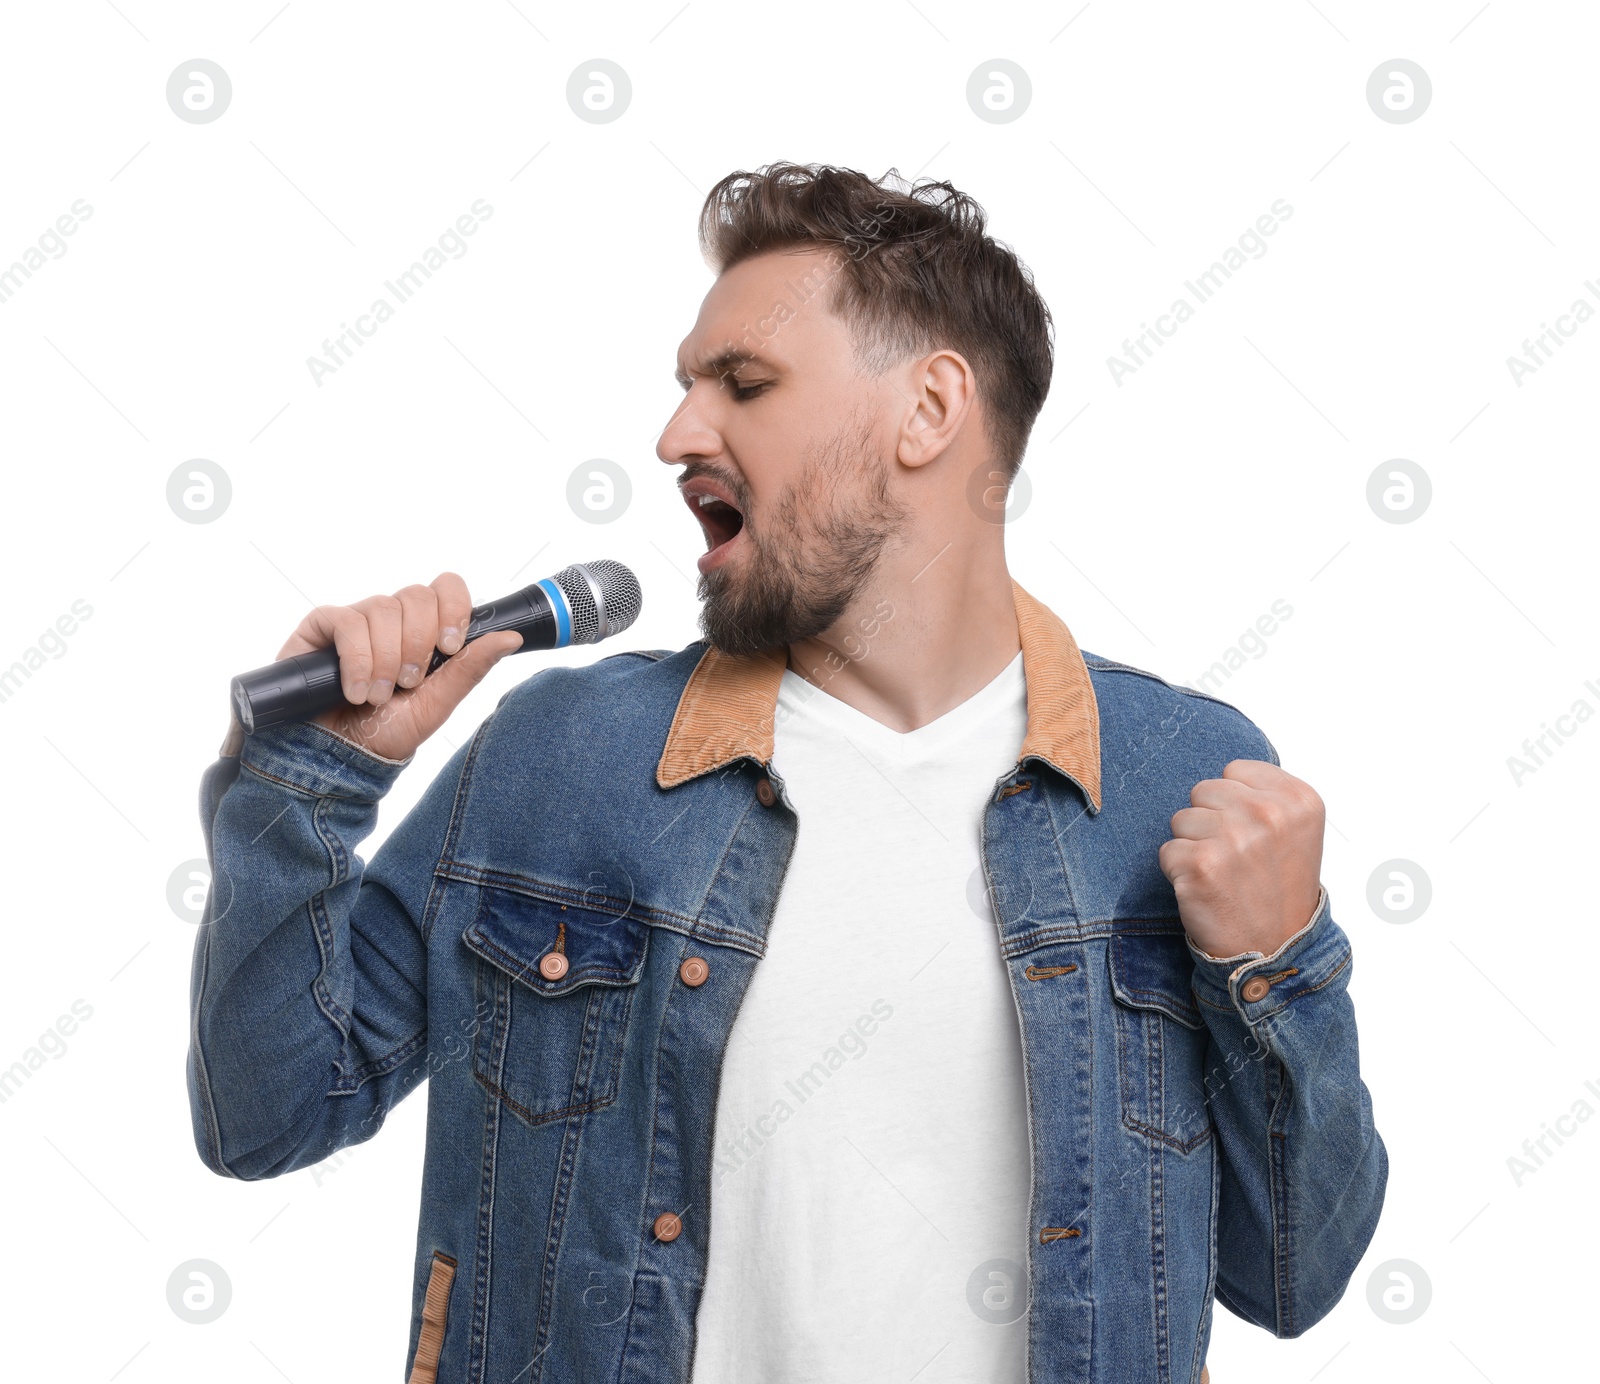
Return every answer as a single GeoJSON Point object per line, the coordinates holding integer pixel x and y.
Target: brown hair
{"type": "Point", "coordinates": [917, 273]}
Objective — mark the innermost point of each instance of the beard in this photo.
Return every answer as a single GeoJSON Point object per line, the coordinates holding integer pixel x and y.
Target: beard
{"type": "Point", "coordinates": [813, 553]}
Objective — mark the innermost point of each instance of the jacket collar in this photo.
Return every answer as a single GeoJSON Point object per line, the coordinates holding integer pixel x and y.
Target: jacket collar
{"type": "Point", "coordinates": [727, 707]}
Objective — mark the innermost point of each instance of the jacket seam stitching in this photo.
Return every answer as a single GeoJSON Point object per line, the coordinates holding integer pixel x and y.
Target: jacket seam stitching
{"type": "Point", "coordinates": [1155, 1074]}
{"type": "Point", "coordinates": [1164, 995]}
{"type": "Point", "coordinates": [1283, 1250]}
{"type": "Point", "coordinates": [1082, 932]}
{"type": "Point", "coordinates": [305, 790]}
{"type": "Point", "coordinates": [382, 1066]}
{"type": "Point", "coordinates": [213, 1131]}
{"type": "Point", "coordinates": [528, 1116]}
{"type": "Point", "coordinates": [543, 892]}
{"type": "Point", "coordinates": [316, 907]}
{"type": "Point", "coordinates": [483, 1269]}
{"type": "Point", "coordinates": [1107, 665]}
{"type": "Point", "coordinates": [431, 906]}
{"type": "Point", "coordinates": [582, 973]}
{"type": "Point", "coordinates": [572, 1137]}
{"type": "Point", "coordinates": [722, 860]}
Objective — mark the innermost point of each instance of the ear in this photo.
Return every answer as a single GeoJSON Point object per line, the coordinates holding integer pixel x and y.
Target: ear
{"type": "Point", "coordinates": [943, 395]}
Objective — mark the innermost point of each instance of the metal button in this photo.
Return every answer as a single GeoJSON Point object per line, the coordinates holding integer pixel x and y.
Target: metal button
{"type": "Point", "coordinates": [1255, 988]}
{"type": "Point", "coordinates": [668, 1226]}
{"type": "Point", "coordinates": [552, 965]}
{"type": "Point", "coordinates": [694, 970]}
{"type": "Point", "coordinates": [766, 794]}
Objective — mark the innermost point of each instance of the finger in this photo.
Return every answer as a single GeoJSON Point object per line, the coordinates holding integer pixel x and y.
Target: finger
{"type": "Point", "coordinates": [1196, 823]}
{"type": "Point", "coordinates": [1257, 773]}
{"type": "Point", "coordinates": [312, 633]}
{"type": "Point", "coordinates": [383, 629]}
{"type": "Point", "coordinates": [457, 676]}
{"type": "Point", "coordinates": [1221, 794]}
{"type": "Point", "coordinates": [455, 611]}
{"type": "Point", "coordinates": [346, 629]}
{"type": "Point", "coordinates": [419, 628]}
{"type": "Point", "coordinates": [1175, 858]}
{"type": "Point", "coordinates": [299, 642]}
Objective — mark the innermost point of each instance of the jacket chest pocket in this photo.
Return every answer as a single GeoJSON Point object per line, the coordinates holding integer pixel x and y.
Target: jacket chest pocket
{"type": "Point", "coordinates": [554, 1031]}
{"type": "Point", "coordinates": [1161, 1040]}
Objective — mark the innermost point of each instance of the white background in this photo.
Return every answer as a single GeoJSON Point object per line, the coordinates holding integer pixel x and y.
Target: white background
{"type": "Point", "coordinates": [1167, 514]}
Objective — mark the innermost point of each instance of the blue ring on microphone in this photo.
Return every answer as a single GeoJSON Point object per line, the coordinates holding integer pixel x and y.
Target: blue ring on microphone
{"type": "Point", "coordinates": [558, 604]}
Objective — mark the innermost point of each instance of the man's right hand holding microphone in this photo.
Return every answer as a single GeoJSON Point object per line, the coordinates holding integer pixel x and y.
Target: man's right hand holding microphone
{"type": "Point", "coordinates": [384, 645]}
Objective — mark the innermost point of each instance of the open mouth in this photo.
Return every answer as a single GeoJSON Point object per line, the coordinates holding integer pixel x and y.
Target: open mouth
{"type": "Point", "coordinates": [720, 518]}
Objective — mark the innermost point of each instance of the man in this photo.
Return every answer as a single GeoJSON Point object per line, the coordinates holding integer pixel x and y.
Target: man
{"type": "Point", "coordinates": [878, 988]}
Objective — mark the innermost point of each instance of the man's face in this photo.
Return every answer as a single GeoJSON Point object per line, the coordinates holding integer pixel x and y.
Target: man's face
{"type": "Point", "coordinates": [787, 452]}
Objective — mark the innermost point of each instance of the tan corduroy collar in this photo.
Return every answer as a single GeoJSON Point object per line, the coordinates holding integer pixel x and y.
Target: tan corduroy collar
{"type": "Point", "coordinates": [727, 707]}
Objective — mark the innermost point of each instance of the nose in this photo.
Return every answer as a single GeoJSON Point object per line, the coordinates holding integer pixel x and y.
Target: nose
{"type": "Point", "coordinates": [689, 434]}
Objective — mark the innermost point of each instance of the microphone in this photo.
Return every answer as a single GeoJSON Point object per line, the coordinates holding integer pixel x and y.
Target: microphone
{"type": "Point", "coordinates": [581, 604]}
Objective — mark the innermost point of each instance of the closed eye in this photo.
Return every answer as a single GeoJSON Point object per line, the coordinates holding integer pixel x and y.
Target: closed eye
{"type": "Point", "coordinates": [742, 392]}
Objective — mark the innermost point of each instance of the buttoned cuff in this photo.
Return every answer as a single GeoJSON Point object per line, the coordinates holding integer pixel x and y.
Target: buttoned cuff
{"type": "Point", "coordinates": [1258, 985]}
{"type": "Point", "coordinates": [312, 759]}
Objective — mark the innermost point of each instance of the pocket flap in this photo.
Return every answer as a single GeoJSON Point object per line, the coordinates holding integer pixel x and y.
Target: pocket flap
{"type": "Point", "coordinates": [1154, 970]}
{"type": "Point", "coordinates": [513, 931]}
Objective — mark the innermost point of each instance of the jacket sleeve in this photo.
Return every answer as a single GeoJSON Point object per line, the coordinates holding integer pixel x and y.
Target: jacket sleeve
{"type": "Point", "coordinates": [1303, 1168]}
{"type": "Point", "coordinates": [308, 992]}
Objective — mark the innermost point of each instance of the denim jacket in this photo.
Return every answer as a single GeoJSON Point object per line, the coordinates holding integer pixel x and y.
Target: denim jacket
{"type": "Point", "coordinates": [1198, 1127]}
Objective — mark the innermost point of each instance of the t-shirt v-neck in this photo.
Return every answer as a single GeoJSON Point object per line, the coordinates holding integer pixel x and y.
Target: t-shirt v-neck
{"type": "Point", "coordinates": [1004, 689]}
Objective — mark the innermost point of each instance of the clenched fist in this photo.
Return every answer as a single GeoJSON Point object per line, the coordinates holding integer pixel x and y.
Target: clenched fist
{"type": "Point", "coordinates": [1245, 858]}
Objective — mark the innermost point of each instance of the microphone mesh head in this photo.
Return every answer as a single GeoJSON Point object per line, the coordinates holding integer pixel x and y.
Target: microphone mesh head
{"type": "Point", "coordinates": [604, 598]}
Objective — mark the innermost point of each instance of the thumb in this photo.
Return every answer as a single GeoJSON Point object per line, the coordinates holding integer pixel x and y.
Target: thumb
{"type": "Point", "coordinates": [441, 692]}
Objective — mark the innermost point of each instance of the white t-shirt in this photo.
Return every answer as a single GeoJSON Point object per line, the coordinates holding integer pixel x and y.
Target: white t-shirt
{"type": "Point", "coordinates": [869, 1204]}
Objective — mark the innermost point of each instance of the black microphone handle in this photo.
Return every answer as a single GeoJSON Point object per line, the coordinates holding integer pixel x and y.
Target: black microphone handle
{"type": "Point", "coordinates": [305, 685]}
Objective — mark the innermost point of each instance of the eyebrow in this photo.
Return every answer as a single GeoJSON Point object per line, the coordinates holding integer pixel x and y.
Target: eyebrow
{"type": "Point", "coordinates": [725, 362]}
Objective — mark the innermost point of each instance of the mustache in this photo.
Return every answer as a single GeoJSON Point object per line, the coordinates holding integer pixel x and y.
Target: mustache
{"type": "Point", "coordinates": [729, 476]}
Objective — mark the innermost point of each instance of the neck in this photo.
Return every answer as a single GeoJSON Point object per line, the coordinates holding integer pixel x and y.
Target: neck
{"type": "Point", "coordinates": [936, 624]}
